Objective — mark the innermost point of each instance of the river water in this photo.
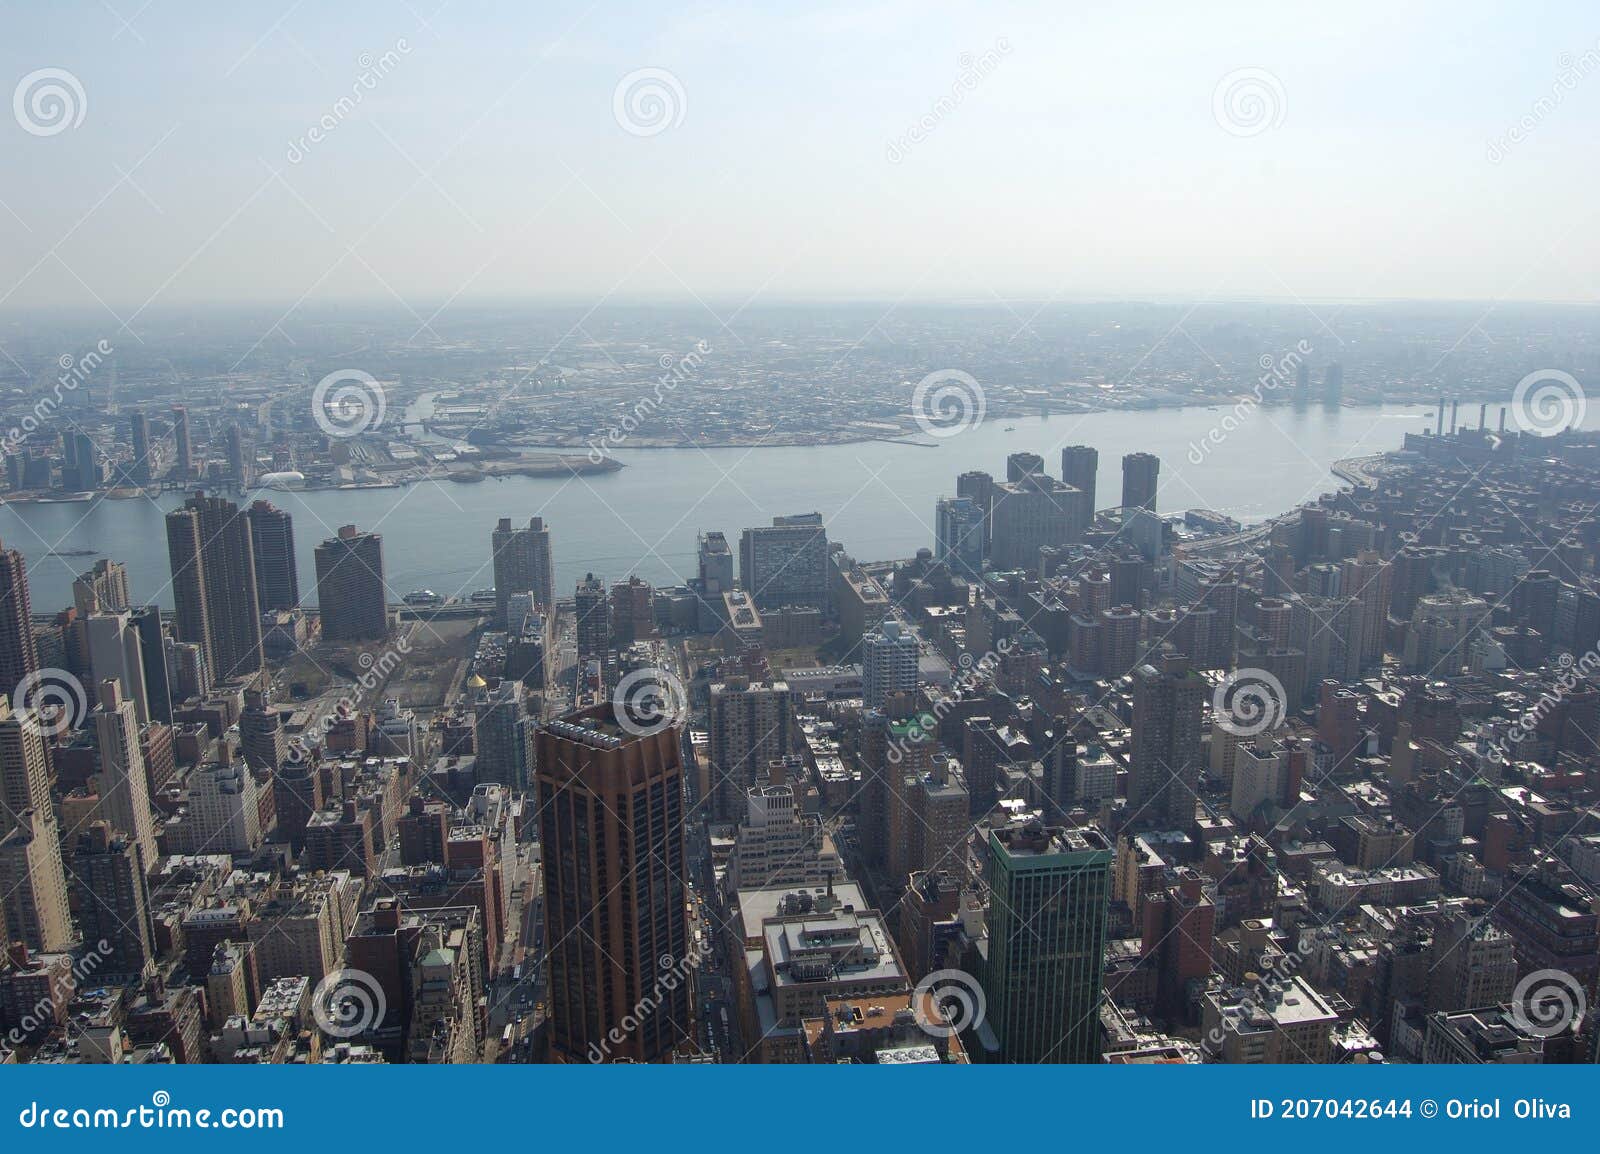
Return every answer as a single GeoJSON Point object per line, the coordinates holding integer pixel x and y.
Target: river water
{"type": "Point", "coordinates": [877, 498]}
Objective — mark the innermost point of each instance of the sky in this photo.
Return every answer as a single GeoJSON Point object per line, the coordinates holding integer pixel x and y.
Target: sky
{"type": "Point", "coordinates": [893, 151]}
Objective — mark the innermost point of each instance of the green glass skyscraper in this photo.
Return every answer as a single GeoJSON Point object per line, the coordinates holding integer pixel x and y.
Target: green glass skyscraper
{"type": "Point", "coordinates": [1049, 893]}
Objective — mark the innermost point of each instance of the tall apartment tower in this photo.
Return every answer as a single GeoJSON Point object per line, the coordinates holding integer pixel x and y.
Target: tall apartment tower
{"type": "Point", "coordinates": [1166, 758]}
{"type": "Point", "coordinates": [1050, 889]}
{"type": "Point", "coordinates": [116, 653]}
{"type": "Point", "coordinates": [980, 487]}
{"type": "Point", "coordinates": [611, 824]}
{"type": "Point", "coordinates": [1024, 464]}
{"type": "Point", "coordinates": [1140, 474]}
{"type": "Point", "coordinates": [716, 563]}
{"type": "Point", "coordinates": [153, 652]}
{"type": "Point", "coordinates": [124, 786]}
{"type": "Point", "coordinates": [183, 465]}
{"type": "Point", "coordinates": [33, 884]}
{"type": "Point", "coordinates": [272, 538]}
{"type": "Point", "coordinates": [751, 726]}
{"type": "Point", "coordinates": [139, 434]}
{"type": "Point", "coordinates": [1080, 468]}
{"type": "Point", "coordinates": [351, 594]}
{"type": "Point", "coordinates": [1035, 511]}
{"type": "Point", "coordinates": [888, 663]}
{"type": "Point", "coordinates": [24, 765]}
{"type": "Point", "coordinates": [19, 654]}
{"type": "Point", "coordinates": [1369, 578]}
{"type": "Point", "coordinates": [103, 589]}
{"type": "Point", "coordinates": [114, 899]}
{"type": "Point", "coordinates": [214, 585]}
{"type": "Point", "coordinates": [593, 609]}
{"type": "Point", "coordinates": [958, 535]}
{"type": "Point", "coordinates": [786, 563]}
{"type": "Point", "coordinates": [522, 564]}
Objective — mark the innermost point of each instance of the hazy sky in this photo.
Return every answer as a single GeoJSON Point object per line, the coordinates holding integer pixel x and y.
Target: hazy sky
{"type": "Point", "coordinates": [1095, 156]}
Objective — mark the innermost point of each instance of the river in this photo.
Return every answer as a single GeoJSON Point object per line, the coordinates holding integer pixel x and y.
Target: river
{"type": "Point", "coordinates": [877, 498]}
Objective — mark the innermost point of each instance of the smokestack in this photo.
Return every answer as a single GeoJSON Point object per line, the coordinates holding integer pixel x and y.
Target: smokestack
{"type": "Point", "coordinates": [1502, 418]}
{"type": "Point", "coordinates": [1439, 429]}
{"type": "Point", "coordinates": [1455, 407]}
{"type": "Point", "coordinates": [1483, 414]}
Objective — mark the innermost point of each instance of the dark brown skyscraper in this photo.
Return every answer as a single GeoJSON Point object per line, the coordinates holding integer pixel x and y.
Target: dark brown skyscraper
{"type": "Point", "coordinates": [19, 656]}
{"type": "Point", "coordinates": [214, 584]}
{"type": "Point", "coordinates": [612, 827]}
{"type": "Point", "coordinates": [350, 588]}
{"type": "Point", "coordinates": [1140, 473]}
{"type": "Point", "coordinates": [272, 537]}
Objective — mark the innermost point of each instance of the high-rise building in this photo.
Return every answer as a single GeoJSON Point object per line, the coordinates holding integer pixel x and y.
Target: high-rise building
{"type": "Point", "coordinates": [751, 726]}
{"type": "Point", "coordinates": [153, 652]}
{"type": "Point", "coordinates": [522, 564]}
{"type": "Point", "coordinates": [1166, 757]}
{"type": "Point", "coordinates": [616, 922]}
{"type": "Point", "coordinates": [103, 589]}
{"type": "Point", "coordinates": [1080, 468]}
{"type": "Point", "coordinates": [114, 899]}
{"type": "Point", "coordinates": [24, 765]}
{"type": "Point", "coordinates": [351, 593]}
{"type": "Point", "coordinates": [183, 464]}
{"type": "Point", "coordinates": [716, 563]}
{"type": "Point", "coordinates": [958, 535]}
{"type": "Point", "coordinates": [238, 466]}
{"type": "Point", "coordinates": [980, 487]}
{"type": "Point", "coordinates": [786, 563]}
{"type": "Point", "coordinates": [1050, 889]}
{"type": "Point", "coordinates": [1023, 464]}
{"type": "Point", "coordinates": [633, 616]}
{"type": "Point", "coordinates": [33, 884]}
{"type": "Point", "coordinates": [593, 610]}
{"type": "Point", "coordinates": [214, 585]}
{"type": "Point", "coordinates": [272, 537]}
{"type": "Point", "coordinates": [124, 785]}
{"type": "Point", "coordinates": [140, 471]}
{"type": "Point", "coordinates": [888, 663]}
{"type": "Point", "coordinates": [1140, 474]}
{"type": "Point", "coordinates": [503, 736]}
{"type": "Point", "coordinates": [1030, 513]}
{"type": "Point", "coordinates": [19, 655]}
{"type": "Point", "coordinates": [297, 794]}
{"type": "Point", "coordinates": [1369, 579]}
{"type": "Point", "coordinates": [116, 653]}
{"type": "Point", "coordinates": [262, 741]}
